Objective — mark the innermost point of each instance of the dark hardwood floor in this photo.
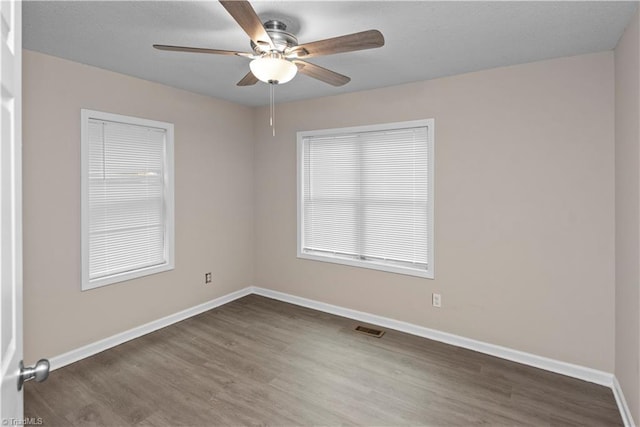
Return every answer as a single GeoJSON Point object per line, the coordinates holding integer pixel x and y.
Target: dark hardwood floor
{"type": "Point", "coordinates": [257, 361]}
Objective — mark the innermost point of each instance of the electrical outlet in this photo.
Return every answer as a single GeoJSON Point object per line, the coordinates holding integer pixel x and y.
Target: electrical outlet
{"type": "Point", "coordinates": [436, 300]}
{"type": "Point", "coordinates": [207, 278]}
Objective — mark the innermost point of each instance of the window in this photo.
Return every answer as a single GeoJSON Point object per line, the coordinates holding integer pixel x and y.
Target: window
{"type": "Point", "coordinates": [365, 197]}
{"type": "Point", "coordinates": [127, 198]}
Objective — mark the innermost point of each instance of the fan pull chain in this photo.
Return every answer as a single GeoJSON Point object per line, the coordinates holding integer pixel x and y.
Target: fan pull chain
{"type": "Point", "coordinates": [272, 108]}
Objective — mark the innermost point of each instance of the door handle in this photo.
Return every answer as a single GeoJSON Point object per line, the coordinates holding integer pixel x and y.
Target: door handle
{"type": "Point", "coordinates": [39, 372]}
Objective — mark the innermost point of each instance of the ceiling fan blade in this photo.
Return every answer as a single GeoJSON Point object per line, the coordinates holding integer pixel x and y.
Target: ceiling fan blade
{"type": "Point", "coordinates": [248, 80]}
{"type": "Point", "coordinates": [351, 42]}
{"type": "Point", "coordinates": [246, 17]}
{"type": "Point", "coordinates": [320, 73]}
{"type": "Point", "coordinates": [200, 50]}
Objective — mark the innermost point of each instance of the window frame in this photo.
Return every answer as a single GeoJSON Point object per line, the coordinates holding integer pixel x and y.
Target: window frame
{"type": "Point", "coordinates": [429, 273]}
{"type": "Point", "coordinates": [85, 116]}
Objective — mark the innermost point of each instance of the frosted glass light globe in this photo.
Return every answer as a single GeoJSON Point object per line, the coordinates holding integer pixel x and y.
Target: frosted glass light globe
{"type": "Point", "coordinates": [274, 70]}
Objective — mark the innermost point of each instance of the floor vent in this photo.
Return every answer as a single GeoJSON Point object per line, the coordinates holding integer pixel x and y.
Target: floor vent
{"type": "Point", "coordinates": [369, 331]}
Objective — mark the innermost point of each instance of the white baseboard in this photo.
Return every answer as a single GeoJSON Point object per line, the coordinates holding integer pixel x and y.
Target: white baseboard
{"type": "Point", "coordinates": [575, 371]}
{"type": "Point", "coordinates": [627, 418]}
{"type": "Point", "coordinates": [112, 341]}
{"type": "Point", "coordinates": [564, 368]}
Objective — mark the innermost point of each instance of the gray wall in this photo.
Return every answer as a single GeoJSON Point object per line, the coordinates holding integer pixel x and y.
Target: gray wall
{"type": "Point", "coordinates": [213, 204]}
{"type": "Point", "coordinates": [524, 207]}
{"type": "Point", "coordinates": [627, 111]}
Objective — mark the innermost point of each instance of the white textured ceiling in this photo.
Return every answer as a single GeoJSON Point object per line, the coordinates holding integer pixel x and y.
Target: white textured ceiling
{"type": "Point", "coordinates": [424, 40]}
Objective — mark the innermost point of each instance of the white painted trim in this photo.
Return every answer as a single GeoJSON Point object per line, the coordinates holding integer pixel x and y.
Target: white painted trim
{"type": "Point", "coordinates": [112, 341]}
{"type": "Point", "coordinates": [575, 371]}
{"type": "Point", "coordinates": [169, 209]}
{"type": "Point", "coordinates": [429, 273]}
{"type": "Point", "coordinates": [564, 368]}
{"type": "Point", "coordinates": [627, 418]}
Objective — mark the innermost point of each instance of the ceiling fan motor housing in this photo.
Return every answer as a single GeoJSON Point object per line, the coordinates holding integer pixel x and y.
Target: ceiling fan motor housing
{"type": "Point", "coordinates": [282, 39]}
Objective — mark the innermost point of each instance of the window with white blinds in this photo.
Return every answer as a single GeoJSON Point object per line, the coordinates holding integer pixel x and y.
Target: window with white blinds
{"type": "Point", "coordinates": [365, 196]}
{"type": "Point", "coordinates": [127, 198]}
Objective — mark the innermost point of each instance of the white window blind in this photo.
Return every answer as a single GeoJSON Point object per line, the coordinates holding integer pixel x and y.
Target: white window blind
{"type": "Point", "coordinates": [129, 204]}
{"type": "Point", "coordinates": [366, 197]}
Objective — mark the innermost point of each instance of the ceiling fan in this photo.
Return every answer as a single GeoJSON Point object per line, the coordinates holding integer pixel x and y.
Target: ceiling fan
{"type": "Point", "coordinates": [277, 56]}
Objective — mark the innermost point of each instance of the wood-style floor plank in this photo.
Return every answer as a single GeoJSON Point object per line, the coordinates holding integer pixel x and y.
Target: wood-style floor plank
{"type": "Point", "coordinates": [258, 361]}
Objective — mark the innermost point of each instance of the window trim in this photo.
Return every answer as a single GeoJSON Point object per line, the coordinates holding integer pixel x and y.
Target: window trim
{"type": "Point", "coordinates": [85, 116]}
{"type": "Point", "coordinates": [429, 273]}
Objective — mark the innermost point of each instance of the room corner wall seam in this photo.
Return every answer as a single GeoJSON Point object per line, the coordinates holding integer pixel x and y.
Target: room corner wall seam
{"type": "Point", "coordinates": [625, 412]}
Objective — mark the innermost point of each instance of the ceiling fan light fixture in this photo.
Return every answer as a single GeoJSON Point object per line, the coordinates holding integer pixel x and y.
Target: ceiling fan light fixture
{"type": "Point", "coordinates": [273, 69]}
